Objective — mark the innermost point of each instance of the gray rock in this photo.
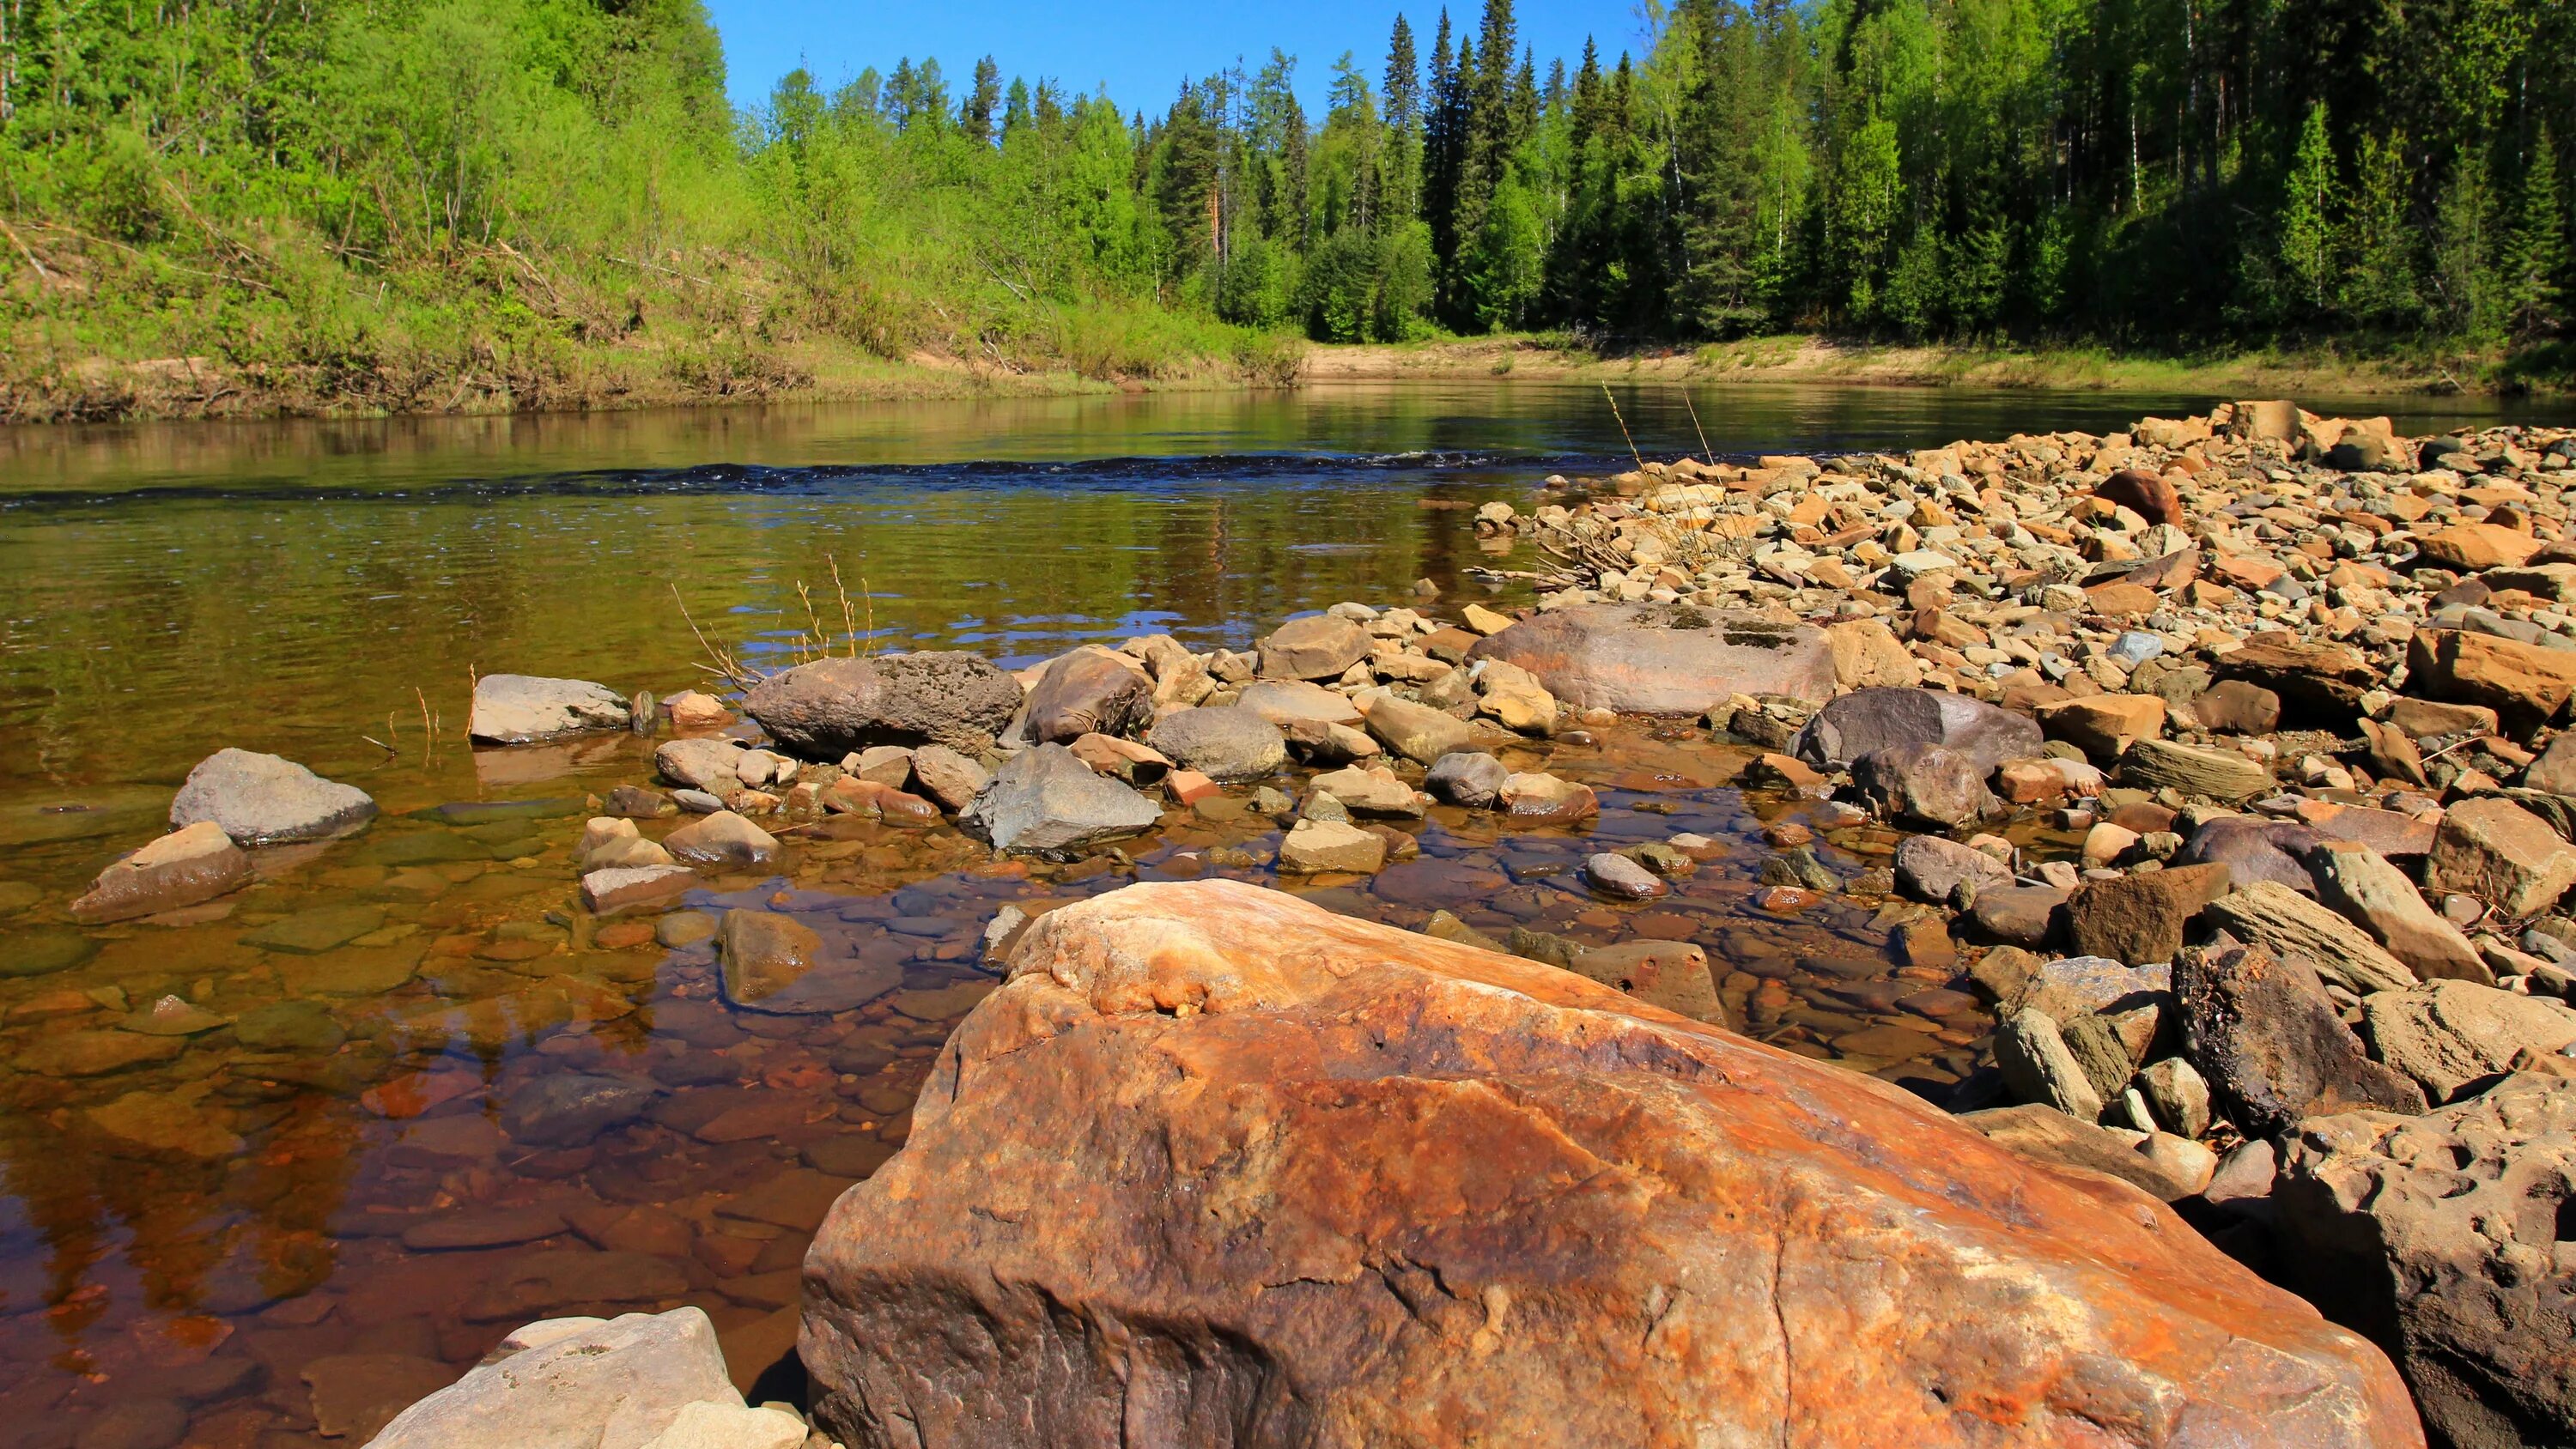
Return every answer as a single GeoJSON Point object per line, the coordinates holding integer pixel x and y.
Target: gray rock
{"type": "Point", "coordinates": [2072, 986]}
{"type": "Point", "coordinates": [2178, 1095]}
{"type": "Point", "coordinates": [2445, 1239]}
{"type": "Point", "coordinates": [2289, 925]}
{"type": "Point", "coordinates": [711, 765]}
{"type": "Point", "coordinates": [1924, 784]}
{"type": "Point", "coordinates": [2376, 896]}
{"type": "Point", "coordinates": [1671, 659]}
{"type": "Point", "coordinates": [2018, 915]}
{"type": "Point", "coordinates": [1930, 867]}
{"type": "Point", "coordinates": [2449, 1035]}
{"type": "Point", "coordinates": [1045, 799]}
{"type": "Point", "coordinates": [832, 707]}
{"type": "Point", "coordinates": [521, 709]}
{"type": "Point", "coordinates": [1089, 691]}
{"type": "Point", "coordinates": [2038, 1067]}
{"type": "Point", "coordinates": [1867, 721]}
{"type": "Point", "coordinates": [2264, 1034]}
{"type": "Point", "coordinates": [563, 1109]}
{"type": "Point", "coordinates": [1617, 875]}
{"type": "Point", "coordinates": [1468, 778]}
{"type": "Point", "coordinates": [2254, 849]}
{"type": "Point", "coordinates": [619, 1385]}
{"type": "Point", "coordinates": [265, 800]}
{"type": "Point", "coordinates": [1223, 743]}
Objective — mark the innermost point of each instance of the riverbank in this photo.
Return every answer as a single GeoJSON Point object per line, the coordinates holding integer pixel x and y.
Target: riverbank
{"type": "Point", "coordinates": [2262, 373]}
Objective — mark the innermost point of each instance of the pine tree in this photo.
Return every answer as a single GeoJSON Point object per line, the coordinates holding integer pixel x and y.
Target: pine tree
{"type": "Point", "coordinates": [2308, 242]}
{"type": "Point", "coordinates": [2532, 271]}
{"type": "Point", "coordinates": [975, 116]}
{"type": "Point", "coordinates": [1401, 187]}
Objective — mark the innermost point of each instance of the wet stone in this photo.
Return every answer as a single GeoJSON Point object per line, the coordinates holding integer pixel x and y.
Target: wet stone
{"type": "Point", "coordinates": [310, 933]}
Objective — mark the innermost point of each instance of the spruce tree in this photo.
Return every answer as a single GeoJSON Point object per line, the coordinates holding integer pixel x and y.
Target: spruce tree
{"type": "Point", "coordinates": [2534, 265]}
{"type": "Point", "coordinates": [2463, 270]}
{"type": "Point", "coordinates": [975, 116]}
{"type": "Point", "coordinates": [2379, 285]}
{"type": "Point", "coordinates": [1401, 186]}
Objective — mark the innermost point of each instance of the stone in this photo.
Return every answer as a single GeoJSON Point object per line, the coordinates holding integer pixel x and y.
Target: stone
{"type": "Point", "coordinates": [1931, 868]}
{"type": "Point", "coordinates": [712, 765]}
{"type": "Point", "coordinates": [2425, 718]}
{"type": "Point", "coordinates": [1670, 974]}
{"type": "Point", "coordinates": [183, 868]}
{"type": "Point", "coordinates": [2018, 915]}
{"type": "Point", "coordinates": [2145, 494]}
{"type": "Point", "coordinates": [2445, 1239]}
{"type": "Point", "coordinates": [1044, 799]}
{"type": "Point", "coordinates": [2042, 1133]}
{"type": "Point", "coordinates": [2448, 1035]}
{"type": "Point", "coordinates": [2527, 686]}
{"type": "Point", "coordinates": [2470, 547]}
{"type": "Point", "coordinates": [1868, 655]}
{"type": "Point", "coordinates": [2287, 924]}
{"type": "Point", "coordinates": [1314, 847]}
{"type": "Point", "coordinates": [2263, 1033]}
{"type": "Point", "coordinates": [1318, 646]}
{"type": "Point", "coordinates": [1091, 690]}
{"type": "Point", "coordinates": [264, 800]}
{"type": "Point", "coordinates": [1223, 743]}
{"type": "Point", "coordinates": [524, 709]}
{"type": "Point", "coordinates": [1483, 620]}
{"type": "Point", "coordinates": [723, 839]}
{"type": "Point", "coordinates": [777, 964]}
{"type": "Point", "coordinates": [2178, 1095]}
{"type": "Point", "coordinates": [2073, 986]}
{"type": "Point", "coordinates": [2103, 726]}
{"type": "Point", "coordinates": [1371, 792]}
{"type": "Point", "coordinates": [353, 1396]}
{"type": "Point", "coordinates": [2353, 879]}
{"type": "Point", "coordinates": [2194, 770]}
{"type": "Point", "coordinates": [1285, 701]}
{"type": "Point", "coordinates": [708, 1425]}
{"type": "Point", "coordinates": [619, 1385]}
{"type": "Point", "coordinates": [2038, 1067]}
{"type": "Point", "coordinates": [2139, 919]}
{"type": "Point", "coordinates": [1867, 721]}
{"type": "Point", "coordinates": [1533, 798]}
{"type": "Point", "coordinates": [1408, 1188]}
{"type": "Point", "coordinates": [1469, 779]}
{"type": "Point", "coordinates": [2316, 679]}
{"type": "Point", "coordinates": [95, 1053]}
{"type": "Point", "coordinates": [167, 1123]}
{"type": "Point", "coordinates": [1620, 877]}
{"type": "Point", "coordinates": [566, 1109]}
{"type": "Point", "coordinates": [313, 932]}
{"type": "Point", "coordinates": [611, 891]}
{"type": "Point", "coordinates": [2555, 771]}
{"type": "Point", "coordinates": [2236, 707]}
{"type": "Point", "coordinates": [1669, 659]}
{"type": "Point", "coordinates": [947, 777]}
{"type": "Point", "coordinates": [2502, 854]}
{"type": "Point", "coordinates": [2254, 849]}
{"type": "Point", "coordinates": [834, 707]}
{"type": "Point", "coordinates": [1416, 731]}
{"type": "Point", "coordinates": [1924, 784]}
{"type": "Point", "coordinates": [1514, 698]}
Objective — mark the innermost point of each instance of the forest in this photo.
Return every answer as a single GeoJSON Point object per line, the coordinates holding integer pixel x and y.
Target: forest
{"type": "Point", "coordinates": [422, 204]}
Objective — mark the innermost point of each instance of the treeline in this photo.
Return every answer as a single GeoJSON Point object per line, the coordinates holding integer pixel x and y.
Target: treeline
{"type": "Point", "coordinates": [417, 202]}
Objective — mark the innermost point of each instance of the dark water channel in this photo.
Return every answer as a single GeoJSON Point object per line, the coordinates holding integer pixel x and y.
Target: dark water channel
{"type": "Point", "coordinates": [269, 1169]}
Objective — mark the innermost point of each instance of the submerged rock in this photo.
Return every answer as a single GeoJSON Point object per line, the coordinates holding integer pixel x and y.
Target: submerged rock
{"type": "Point", "coordinates": [182, 868]}
{"type": "Point", "coordinates": [1398, 1191]}
{"type": "Point", "coordinates": [523, 709]}
{"type": "Point", "coordinates": [266, 800]}
{"type": "Point", "coordinates": [1664, 658]}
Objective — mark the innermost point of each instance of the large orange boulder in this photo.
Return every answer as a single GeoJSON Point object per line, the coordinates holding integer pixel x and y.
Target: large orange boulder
{"type": "Point", "coordinates": [1217, 1167]}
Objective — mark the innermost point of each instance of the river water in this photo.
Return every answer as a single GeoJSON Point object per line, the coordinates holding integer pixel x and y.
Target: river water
{"type": "Point", "coordinates": [310, 1188]}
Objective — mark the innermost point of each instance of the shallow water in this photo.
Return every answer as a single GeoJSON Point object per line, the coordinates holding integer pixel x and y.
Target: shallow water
{"type": "Point", "coordinates": [327, 1197]}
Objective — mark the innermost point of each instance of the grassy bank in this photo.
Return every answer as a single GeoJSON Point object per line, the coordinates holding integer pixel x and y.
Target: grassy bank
{"type": "Point", "coordinates": [2268, 372]}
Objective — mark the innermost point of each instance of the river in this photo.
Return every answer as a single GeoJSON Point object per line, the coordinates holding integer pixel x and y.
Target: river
{"type": "Point", "coordinates": [306, 1192]}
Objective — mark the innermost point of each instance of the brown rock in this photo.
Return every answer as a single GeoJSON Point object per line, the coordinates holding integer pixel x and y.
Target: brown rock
{"type": "Point", "coordinates": [2425, 718]}
{"type": "Point", "coordinates": [2502, 854]}
{"type": "Point", "coordinates": [1868, 655]}
{"type": "Point", "coordinates": [2474, 546]}
{"type": "Point", "coordinates": [2222, 775]}
{"type": "Point", "coordinates": [1318, 646]}
{"type": "Point", "coordinates": [1091, 690]}
{"type": "Point", "coordinates": [1406, 1192]}
{"type": "Point", "coordinates": [182, 868]}
{"type": "Point", "coordinates": [1664, 658]}
{"type": "Point", "coordinates": [2234, 706]}
{"type": "Point", "coordinates": [2143, 493]}
{"type": "Point", "coordinates": [2121, 600]}
{"type": "Point", "coordinates": [2314, 678]}
{"type": "Point", "coordinates": [2262, 1030]}
{"type": "Point", "coordinates": [1670, 974]}
{"type": "Point", "coordinates": [2527, 686]}
{"type": "Point", "coordinates": [831, 707]}
{"type": "Point", "coordinates": [2356, 880]}
{"type": "Point", "coordinates": [2105, 725]}
{"type": "Point", "coordinates": [2139, 919]}
{"type": "Point", "coordinates": [2044, 1134]}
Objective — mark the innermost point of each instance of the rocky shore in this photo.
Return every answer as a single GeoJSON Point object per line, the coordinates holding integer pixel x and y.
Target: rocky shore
{"type": "Point", "coordinates": [2202, 793]}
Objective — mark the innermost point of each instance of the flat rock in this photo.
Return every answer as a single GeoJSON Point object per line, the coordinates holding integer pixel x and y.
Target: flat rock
{"type": "Point", "coordinates": [1931, 867]}
{"type": "Point", "coordinates": [310, 933]}
{"type": "Point", "coordinates": [834, 707]}
{"type": "Point", "coordinates": [522, 709]}
{"type": "Point", "coordinates": [1318, 646]}
{"type": "Point", "coordinates": [1867, 721]}
{"type": "Point", "coordinates": [2445, 1238]}
{"type": "Point", "coordinates": [354, 1395]}
{"type": "Point", "coordinates": [2502, 854]}
{"type": "Point", "coordinates": [1285, 701]}
{"type": "Point", "coordinates": [1673, 659]}
{"type": "Point", "coordinates": [1483, 1178]}
{"type": "Point", "coordinates": [265, 800]}
{"type": "Point", "coordinates": [2194, 770]}
{"type": "Point", "coordinates": [622, 888]}
{"type": "Point", "coordinates": [2072, 986]}
{"type": "Point", "coordinates": [563, 1109]}
{"type": "Point", "coordinates": [618, 1385]}
{"type": "Point", "coordinates": [723, 839]}
{"type": "Point", "coordinates": [2354, 880]}
{"type": "Point", "coordinates": [2448, 1035]}
{"type": "Point", "coordinates": [2288, 924]}
{"type": "Point", "coordinates": [777, 965]}
{"type": "Point", "coordinates": [1670, 974]}
{"type": "Point", "coordinates": [1314, 847]}
{"type": "Point", "coordinates": [2526, 685]}
{"type": "Point", "coordinates": [1416, 731]}
{"type": "Point", "coordinates": [183, 868]}
{"type": "Point", "coordinates": [2044, 1134]}
{"type": "Point", "coordinates": [2264, 1034]}
{"type": "Point", "coordinates": [2254, 849]}
{"type": "Point", "coordinates": [712, 765]}
{"type": "Point", "coordinates": [1045, 799]}
{"type": "Point", "coordinates": [95, 1053]}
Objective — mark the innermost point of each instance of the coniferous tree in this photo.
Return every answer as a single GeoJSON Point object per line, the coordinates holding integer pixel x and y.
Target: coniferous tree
{"type": "Point", "coordinates": [975, 117]}
{"type": "Point", "coordinates": [2308, 244]}
{"type": "Point", "coordinates": [2379, 282]}
{"type": "Point", "coordinates": [2532, 272]}
{"type": "Point", "coordinates": [1402, 99]}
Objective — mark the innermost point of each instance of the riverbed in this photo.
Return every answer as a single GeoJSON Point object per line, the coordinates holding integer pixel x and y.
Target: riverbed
{"type": "Point", "coordinates": [309, 1190]}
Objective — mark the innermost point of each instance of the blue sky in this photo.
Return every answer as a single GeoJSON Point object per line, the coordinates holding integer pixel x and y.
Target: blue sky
{"type": "Point", "coordinates": [1142, 48]}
